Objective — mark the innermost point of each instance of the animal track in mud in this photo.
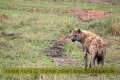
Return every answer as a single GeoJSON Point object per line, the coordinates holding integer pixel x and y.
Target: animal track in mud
{"type": "Point", "coordinates": [57, 53]}
{"type": "Point", "coordinates": [56, 49]}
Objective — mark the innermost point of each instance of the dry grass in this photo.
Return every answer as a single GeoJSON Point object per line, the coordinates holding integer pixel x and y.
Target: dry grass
{"type": "Point", "coordinates": [116, 26]}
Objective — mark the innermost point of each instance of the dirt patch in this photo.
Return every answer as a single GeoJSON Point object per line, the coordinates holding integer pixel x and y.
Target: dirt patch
{"type": "Point", "coordinates": [84, 15]}
{"type": "Point", "coordinates": [87, 15]}
{"type": "Point", "coordinates": [12, 35]}
{"type": "Point", "coordinates": [2, 44]}
{"type": "Point", "coordinates": [5, 46]}
{"type": "Point", "coordinates": [2, 17]}
{"type": "Point", "coordinates": [56, 49]}
{"type": "Point", "coordinates": [57, 53]}
{"type": "Point", "coordinates": [32, 9]}
{"type": "Point", "coordinates": [106, 2]}
{"type": "Point", "coordinates": [71, 62]}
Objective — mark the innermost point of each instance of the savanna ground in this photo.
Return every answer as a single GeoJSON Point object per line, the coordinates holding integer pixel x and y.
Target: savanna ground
{"type": "Point", "coordinates": [35, 34]}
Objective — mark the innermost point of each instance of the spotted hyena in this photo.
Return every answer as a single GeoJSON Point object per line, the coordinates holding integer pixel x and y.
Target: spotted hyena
{"type": "Point", "coordinates": [91, 44]}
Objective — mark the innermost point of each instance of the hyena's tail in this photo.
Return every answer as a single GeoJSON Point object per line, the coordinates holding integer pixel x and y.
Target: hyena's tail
{"type": "Point", "coordinates": [101, 55]}
{"type": "Point", "coordinates": [99, 59]}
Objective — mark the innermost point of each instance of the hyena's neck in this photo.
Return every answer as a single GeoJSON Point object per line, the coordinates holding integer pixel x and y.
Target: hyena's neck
{"type": "Point", "coordinates": [82, 40]}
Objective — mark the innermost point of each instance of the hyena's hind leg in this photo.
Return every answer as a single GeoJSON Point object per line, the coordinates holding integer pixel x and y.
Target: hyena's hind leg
{"type": "Point", "coordinates": [93, 53]}
{"type": "Point", "coordinates": [100, 61]}
{"type": "Point", "coordinates": [92, 61]}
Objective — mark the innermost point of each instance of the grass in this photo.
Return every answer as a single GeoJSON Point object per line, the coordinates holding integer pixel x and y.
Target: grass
{"type": "Point", "coordinates": [28, 26]}
{"type": "Point", "coordinates": [109, 26]}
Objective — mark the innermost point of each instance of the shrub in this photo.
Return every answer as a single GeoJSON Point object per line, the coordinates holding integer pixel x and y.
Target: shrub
{"type": "Point", "coordinates": [110, 26]}
{"type": "Point", "coordinates": [116, 26]}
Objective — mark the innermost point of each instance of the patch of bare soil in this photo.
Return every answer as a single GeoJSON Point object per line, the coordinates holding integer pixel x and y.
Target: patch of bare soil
{"type": "Point", "coordinates": [2, 44]}
{"type": "Point", "coordinates": [57, 53]}
{"type": "Point", "coordinates": [12, 35]}
{"type": "Point", "coordinates": [84, 15]}
{"type": "Point", "coordinates": [108, 3]}
{"type": "Point", "coordinates": [56, 49]}
{"type": "Point", "coordinates": [87, 15]}
{"type": "Point", "coordinates": [5, 46]}
{"type": "Point", "coordinates": [4, 17]}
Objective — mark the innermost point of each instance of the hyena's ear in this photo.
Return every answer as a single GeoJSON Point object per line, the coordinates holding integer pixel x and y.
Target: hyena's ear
{"type": "Point", "coordinates": [79, 31]}
{"type": "Point", "coordinates": [70, 31]}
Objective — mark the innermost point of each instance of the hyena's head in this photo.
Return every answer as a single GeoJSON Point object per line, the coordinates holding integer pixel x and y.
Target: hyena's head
{"type": "Point", "coordinates": [76, 35]}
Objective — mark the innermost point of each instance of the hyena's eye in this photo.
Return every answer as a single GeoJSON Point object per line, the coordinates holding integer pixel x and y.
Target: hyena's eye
{"type": "Point", "coordinates": [75, 35]}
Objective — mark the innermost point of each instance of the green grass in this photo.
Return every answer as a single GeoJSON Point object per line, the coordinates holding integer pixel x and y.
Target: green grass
{"type": "Point", "coordinates": [109, 26]}
{"type": "Point", "coordinates": [32, 30]}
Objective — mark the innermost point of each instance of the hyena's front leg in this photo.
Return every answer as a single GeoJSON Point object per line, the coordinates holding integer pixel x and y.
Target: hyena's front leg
{"type": "Point", "coordinates": [85, 55]}
{"type": "Point", "coordinates": [90, 64]}
{"type": "Point", "coordinates": [85, 59]}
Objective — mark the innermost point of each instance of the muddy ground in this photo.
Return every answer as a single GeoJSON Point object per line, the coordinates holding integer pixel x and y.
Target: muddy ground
{"type": "Point", "coordinates": [57, 53]}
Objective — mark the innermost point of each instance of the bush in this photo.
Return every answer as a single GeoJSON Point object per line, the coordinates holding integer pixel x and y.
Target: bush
{"type": "Point", "coordinates": [110, 26]}
{"type": "Point", "coordinates": [116, 26]}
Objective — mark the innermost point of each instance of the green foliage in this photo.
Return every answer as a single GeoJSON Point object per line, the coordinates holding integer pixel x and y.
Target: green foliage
{"type": "Point", "coordinates": [116, 26]}
{"type": "Point", "coordinates": [110, 26]}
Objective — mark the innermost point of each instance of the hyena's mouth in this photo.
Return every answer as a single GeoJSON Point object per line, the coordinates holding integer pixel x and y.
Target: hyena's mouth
{"type": "Point", "coordinates": [73, 40]}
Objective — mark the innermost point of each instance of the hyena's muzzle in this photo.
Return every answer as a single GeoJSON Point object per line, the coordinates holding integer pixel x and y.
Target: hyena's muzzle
{"type": "Point", "coordinates": [73, 38]}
